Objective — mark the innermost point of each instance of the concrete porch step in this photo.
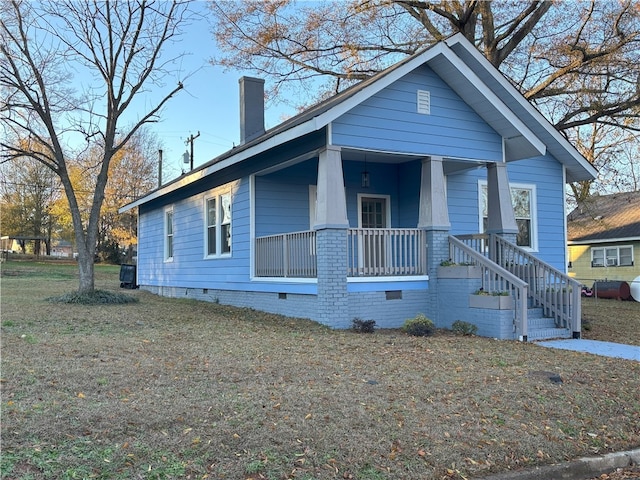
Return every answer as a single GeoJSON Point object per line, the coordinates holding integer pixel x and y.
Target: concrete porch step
{"type": "Point", "coordinates": [543, 328]}
{"type": "Point", "coordinates": [540, 322]}
{"type": "Point", "coordinates": [547, 334]}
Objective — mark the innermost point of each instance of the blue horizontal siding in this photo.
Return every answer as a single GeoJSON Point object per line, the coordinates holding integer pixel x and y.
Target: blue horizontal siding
{"type": "Point", "coordinates": [462, 201]}
{"type": "Point", "coordinates": [389, 121]}
{"type": "Point", "coordinates": [190, 268]}
{"type": "Point", "coordinates": [546, 173]}
{"type": "Point", "coordinates": [282, 199]}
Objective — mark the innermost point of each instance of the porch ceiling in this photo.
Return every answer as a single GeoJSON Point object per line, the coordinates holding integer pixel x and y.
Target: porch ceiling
{"type": "Point", "coordinates": [451, 165]}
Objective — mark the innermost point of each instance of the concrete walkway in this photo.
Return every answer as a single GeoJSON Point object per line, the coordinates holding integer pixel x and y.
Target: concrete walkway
{"type": "Point", "coordinates": [580, 469]}
{"type": "Point", "coordinates": [596, 347]}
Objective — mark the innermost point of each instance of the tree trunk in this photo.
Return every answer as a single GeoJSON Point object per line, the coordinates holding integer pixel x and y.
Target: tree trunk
{"type": "Point", "coordinates": [86, 258]}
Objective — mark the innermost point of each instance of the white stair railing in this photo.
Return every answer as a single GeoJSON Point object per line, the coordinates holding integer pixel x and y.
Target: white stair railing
{"type": "Point", "coordinates": [494, 279]}
{"type": "Point", "coordinates": [549, 288]}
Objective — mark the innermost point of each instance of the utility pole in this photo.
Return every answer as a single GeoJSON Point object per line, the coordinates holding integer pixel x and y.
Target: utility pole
{"type": "Point", "coordinates": [190, 141]}
{"type": "Point", "coordinates": [159, 168]}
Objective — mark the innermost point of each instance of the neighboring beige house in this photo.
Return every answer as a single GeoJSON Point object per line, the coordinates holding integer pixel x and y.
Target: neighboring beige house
{"type": "Point", "coordinates": [62, 248]}
{"type": "Point", "coordinates": [604, 238]}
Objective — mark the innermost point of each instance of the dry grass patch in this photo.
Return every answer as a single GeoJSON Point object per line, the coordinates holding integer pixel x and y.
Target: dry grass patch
{"type": "Point", "coordinates": [169, 388]}
{"type": "Point", "coordinates": [611, 320]}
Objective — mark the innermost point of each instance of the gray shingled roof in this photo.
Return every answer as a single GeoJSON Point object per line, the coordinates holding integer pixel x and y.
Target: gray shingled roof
{"type": "Point", "coordinates": [606, 217]}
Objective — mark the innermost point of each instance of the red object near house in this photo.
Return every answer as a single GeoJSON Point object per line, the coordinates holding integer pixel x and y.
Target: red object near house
{"type": "Point", "coordinates": [619, 290]}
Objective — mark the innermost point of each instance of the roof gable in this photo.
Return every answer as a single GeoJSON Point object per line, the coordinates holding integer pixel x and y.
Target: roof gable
{"type": "Point", "coordinates": [391, 120]}
{"type": "Point", "coordinates": [524, 131]}
{"type": "Point", "coordinates": [606, 217]}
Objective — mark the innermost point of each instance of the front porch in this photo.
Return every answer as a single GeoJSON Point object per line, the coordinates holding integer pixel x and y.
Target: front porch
{"type": "Point", "coordinates": [375, 241]}
{"type": "Point", "coordinates": [536, 300]}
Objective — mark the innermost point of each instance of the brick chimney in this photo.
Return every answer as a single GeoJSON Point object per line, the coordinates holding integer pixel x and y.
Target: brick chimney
{"type": "Point", "coordinates": [251, 108]}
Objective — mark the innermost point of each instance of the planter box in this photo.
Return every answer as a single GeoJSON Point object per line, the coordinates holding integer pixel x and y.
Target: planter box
{"type": "Point", "coordinates": [460, 271]}
{"type": "Point", "coordinates": [491, 302]}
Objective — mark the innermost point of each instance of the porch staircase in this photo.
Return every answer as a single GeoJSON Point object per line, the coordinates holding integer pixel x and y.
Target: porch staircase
{"type": "Point", "coordinates": [547, 303]}
{"type": "Point", "coordinates": [543, 328]}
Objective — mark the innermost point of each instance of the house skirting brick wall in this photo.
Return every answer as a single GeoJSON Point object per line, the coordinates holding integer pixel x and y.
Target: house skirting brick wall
{"type": "Point", "coordinates": [388, 308]}
{"type": "Point", "coordinates": [289, 304]}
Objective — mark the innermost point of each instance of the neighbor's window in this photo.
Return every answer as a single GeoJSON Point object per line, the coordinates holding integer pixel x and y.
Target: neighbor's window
{"type": "Point", "coordinates": [612, 256]}
{"type": "Point", "coordinates": [218, 228]}
{"type": "Point", "coordinates": [168, 239]}
{"type": "Point", "coordinates": [523, 201]}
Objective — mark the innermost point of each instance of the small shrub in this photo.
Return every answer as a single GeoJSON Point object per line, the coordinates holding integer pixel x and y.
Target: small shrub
{"type": "Point", "coordinates": [420, 326]}
{"type": "Point", "coordinates": [460, 327]}
{"type": "Point", "coordinates": [363, 326]}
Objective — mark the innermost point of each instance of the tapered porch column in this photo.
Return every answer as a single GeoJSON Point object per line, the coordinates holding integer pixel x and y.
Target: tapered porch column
{"type": "Point", "coordinates": [331, 202]}
{"type": "Point", "coordinates": [434, 212]}
{"type": "Point", "coordinates": [331, 226]}
{"type": "Point", "coordinates": [501, 217]}
{"type": "Point", "coordinates": [434, 218]}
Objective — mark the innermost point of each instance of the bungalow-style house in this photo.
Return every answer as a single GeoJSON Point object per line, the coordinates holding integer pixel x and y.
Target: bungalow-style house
{"type": "Point", "coordinates": [349, 209]}
{"type": "Point", "coordinates": [604, 238]}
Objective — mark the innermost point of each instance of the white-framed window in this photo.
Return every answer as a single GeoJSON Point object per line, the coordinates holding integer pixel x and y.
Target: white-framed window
{"type": "Point", "coordinates": [218, 224]}
{"type": "Point", "coordinates": [168, 235]}
{"type": "Point", "coordinates": [621, 256]}
{"type": "Point", "coordinates": [523, 200]}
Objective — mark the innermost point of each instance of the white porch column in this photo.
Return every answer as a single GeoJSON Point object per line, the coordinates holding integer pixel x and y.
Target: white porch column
{"type": "Point", "coordinates": [434, 213]}
{"type": "Point", "coordinates": [501, 217]}
{"type": "Point", "coordinates": [331, 203]}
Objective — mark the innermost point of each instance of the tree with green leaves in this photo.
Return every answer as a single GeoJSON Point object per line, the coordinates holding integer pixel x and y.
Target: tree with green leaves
{"type": "Point", "coordinates": [71, 72]}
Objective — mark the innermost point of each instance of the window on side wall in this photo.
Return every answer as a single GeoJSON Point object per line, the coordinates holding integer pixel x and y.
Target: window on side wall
{"type": "Point", "coordinates": [523, 200]}
{"type": "Point", "coordinates": [612, 256]}
{"type": "Point", "coordinates": [168, 235]}
{"type": "Point", "coordinates": [218, 225]}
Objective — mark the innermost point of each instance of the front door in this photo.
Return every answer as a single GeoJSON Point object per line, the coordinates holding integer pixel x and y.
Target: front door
{"type": "Point", "coordinates": [374, 214]}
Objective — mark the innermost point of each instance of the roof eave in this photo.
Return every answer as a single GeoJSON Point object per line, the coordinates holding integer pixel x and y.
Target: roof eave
{"type": "Point", "coordinates": [578, 168]}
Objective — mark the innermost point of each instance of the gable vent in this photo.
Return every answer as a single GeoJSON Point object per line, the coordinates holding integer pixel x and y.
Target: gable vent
{"type": "Point", "coordinates": [424, 102]}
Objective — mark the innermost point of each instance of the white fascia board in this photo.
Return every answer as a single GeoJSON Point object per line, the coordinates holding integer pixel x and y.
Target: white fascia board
{"type": "Point", "coordinates": [604, 240]}
{"type": "Point", "coordinates": [518, 97]}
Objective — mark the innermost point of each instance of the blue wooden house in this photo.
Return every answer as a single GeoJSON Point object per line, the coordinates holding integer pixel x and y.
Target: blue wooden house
{"type": "Point", "coordinates": [433, 187]}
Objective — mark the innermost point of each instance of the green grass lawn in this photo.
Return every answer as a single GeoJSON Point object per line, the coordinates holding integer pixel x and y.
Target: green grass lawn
{"type": "Point", "coordinates": [174, 388]}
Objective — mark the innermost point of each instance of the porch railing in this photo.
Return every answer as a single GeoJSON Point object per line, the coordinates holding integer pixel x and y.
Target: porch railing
{"type": "Point", "coordinates": [494, 278]}
{"type": "Point", "coordinates": [286, 255]}
{"type": "Point", "coordinates": [386, 252]}
{"type": "Point", "coordinates": [549, 288]}
{"type": "Point", "coordinates": [370, 252]}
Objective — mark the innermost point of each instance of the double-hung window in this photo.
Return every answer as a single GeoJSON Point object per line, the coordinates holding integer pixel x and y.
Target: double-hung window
{"type": "Point", "coordinates": [612, 256]}
{"type": "Point", "coordinates": [218, 224]}
{"type": "Point", "coordinates": [168, 235]}
{"type": "Point", "coordinates": [523, 200]}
